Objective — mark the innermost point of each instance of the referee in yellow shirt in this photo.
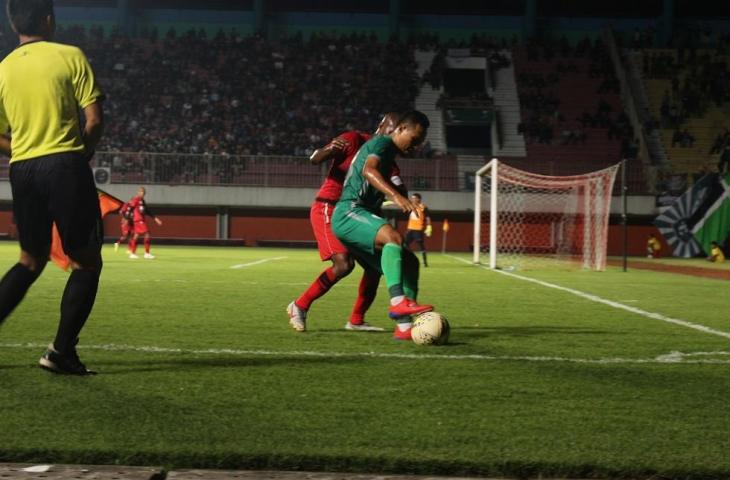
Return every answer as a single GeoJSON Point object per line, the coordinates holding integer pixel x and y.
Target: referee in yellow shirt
{"type": "Point", "coordinates": [43, 85]}
{"type": "Point", "coordinates": [419, 224]}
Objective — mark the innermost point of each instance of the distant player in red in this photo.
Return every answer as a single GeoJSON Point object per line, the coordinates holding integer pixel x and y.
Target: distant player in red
{"type": "Point", "coordinates": [126, 214]}
{"type": "Point", "coordinates": [340, 151]}
{"type": "Point", "coordinates": [139, 211]}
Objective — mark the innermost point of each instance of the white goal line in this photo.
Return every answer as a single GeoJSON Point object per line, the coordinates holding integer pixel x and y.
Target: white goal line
{"type": "Point", "coordinates": [719, 357]}
{"type": "Point", "coordinates": [605, 301]}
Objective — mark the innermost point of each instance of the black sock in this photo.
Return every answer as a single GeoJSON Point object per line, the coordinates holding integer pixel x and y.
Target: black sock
{"type": "Point", "coordinates": [425, 262]}
{"type": "Point", "coordinates": [76, 303]}
{"type": "Point", "coordinates": [13, 287]}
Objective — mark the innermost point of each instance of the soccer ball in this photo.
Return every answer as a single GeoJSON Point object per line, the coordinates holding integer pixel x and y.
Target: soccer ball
{"type": "Point", "coordinates": [430, 328]}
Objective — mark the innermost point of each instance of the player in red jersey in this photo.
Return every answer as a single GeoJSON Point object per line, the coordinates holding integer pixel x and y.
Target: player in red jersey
{"type": "Point", "coordinates": [126, 214]}
{"type": "Point", "coordinates": [340, 151]}
{"type": "Point", "coordinates": [139, 211]}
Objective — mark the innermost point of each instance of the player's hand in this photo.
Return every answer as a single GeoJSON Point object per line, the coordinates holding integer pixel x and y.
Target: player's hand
{"type": "Point", "coordinates": [338, 145]}
{"type": "Point", "coordinates": [403, 203]}
{"type": "Point", "coordinates": [428, 231]}
{"type": "Point", "coordinates": [158, 221]}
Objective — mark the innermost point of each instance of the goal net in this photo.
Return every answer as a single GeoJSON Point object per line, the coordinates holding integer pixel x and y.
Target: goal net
{"type": "Point", "coordinates": [526, 220]}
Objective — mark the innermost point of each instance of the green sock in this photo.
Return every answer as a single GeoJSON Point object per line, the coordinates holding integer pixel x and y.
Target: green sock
{"type": "Point", "coordinates": [390, 262]}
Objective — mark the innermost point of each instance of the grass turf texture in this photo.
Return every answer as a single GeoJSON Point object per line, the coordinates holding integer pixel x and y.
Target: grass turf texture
{"type": "Point", "coordinates": [335, 400]}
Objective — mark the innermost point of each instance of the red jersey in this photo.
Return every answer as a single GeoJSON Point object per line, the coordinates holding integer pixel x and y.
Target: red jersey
{"type": "Point", "coordinates": [139, 209]}
{"type": "Point", "coordinates": [331, 189]}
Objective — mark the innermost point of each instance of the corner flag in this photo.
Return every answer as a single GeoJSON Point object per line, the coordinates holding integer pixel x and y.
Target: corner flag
{"type": "Point", "coordinates": [107, 203]}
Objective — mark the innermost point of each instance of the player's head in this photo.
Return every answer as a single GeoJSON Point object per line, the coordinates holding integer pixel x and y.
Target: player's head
{"type": "Point", "coordinates": [410, 131]}
{"type": "Point", "coordinates": [387, 124]}
{"type": "Point", "coordinates": [141, 191]}
{"type": "Point", "coordinates": [32, 17]}
{"type": "Point", "coordinates": [416, 198]}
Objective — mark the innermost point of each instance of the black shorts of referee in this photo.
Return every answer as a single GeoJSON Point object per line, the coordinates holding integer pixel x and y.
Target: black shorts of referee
{"type": "Point", "coordinates": [57, 188]}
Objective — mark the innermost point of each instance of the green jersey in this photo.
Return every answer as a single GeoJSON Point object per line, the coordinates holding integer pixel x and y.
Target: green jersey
{"type": "Point", "coordinates": [357, 190]}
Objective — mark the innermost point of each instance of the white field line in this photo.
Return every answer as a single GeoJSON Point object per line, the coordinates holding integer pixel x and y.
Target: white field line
{"type": "Point", "coordinates": [610, 303]}
{"type": "Point", "coordinates": [670, 358]}
{"type": "Point", "coordinates": [257, 262]}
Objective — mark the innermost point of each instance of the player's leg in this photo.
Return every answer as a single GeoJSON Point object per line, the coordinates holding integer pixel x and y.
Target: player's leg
{"type": "Point", "coordinates": [330, 248]}
{"type": "Point", "coordinates": [422, 244]}
{"type": "Point", "coordinates": [366, 293]}
{"type": "Point", "coordinates": [342, 265]}
{"type": "Point", "coordinates": [410, 274]}
{"type": "Point", "coordinates": [409, 238]}
{"type": "Point", "coordinates": [389, 241]}
{"type": "Point", "coordinates": [147, 245]}
{"type": "Point", "coordinates": [74, 207]}
{"type": "Point", "coordinates": [34, 232]}
{"type": "Point", "coordinates": [133, 246]}
{"type": "Point", "coordinates": [125, 233]}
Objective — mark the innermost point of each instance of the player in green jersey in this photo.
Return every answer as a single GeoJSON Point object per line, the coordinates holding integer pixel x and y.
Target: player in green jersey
{"type": "Point", "coordinates": [358, 224]}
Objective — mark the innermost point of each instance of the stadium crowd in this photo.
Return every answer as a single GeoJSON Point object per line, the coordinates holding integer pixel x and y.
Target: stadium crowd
{"type": "Point", "coordinates": [248, 95]}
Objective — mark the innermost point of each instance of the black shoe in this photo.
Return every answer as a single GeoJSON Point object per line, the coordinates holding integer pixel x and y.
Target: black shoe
{"type": "Point", "coordinates": [65, 364]}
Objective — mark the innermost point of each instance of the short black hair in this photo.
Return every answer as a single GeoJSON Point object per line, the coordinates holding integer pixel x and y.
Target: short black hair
{"type": "Point", "coordinates": [414, 117]}
{"type": "Point", "coordinates": [28, 16]}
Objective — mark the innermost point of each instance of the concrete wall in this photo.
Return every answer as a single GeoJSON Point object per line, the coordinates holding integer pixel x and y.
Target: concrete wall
{"type": "Point", "coordinates": [298, 198]}
{"type": "Point", "coordinates": [256, 214]}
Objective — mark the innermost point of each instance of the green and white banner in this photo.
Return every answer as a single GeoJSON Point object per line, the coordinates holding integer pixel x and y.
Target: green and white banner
{"type": "Point", "coordinates": [697, 218]}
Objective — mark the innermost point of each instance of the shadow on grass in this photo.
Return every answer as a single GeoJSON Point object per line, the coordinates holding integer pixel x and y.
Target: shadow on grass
{"type": "Point", "coordinates": [123, 366]}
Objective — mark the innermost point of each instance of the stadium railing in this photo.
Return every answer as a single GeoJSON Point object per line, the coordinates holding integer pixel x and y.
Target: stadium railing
{"type": "Point", "coordinates": [254, 170]}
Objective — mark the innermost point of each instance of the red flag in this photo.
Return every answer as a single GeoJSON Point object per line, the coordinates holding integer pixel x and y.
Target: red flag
{"type": "Point", "coordinates": [107, 203]}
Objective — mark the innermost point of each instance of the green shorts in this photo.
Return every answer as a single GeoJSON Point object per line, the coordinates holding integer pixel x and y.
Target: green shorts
{"type": "Point", "coordinates": [356, 228]}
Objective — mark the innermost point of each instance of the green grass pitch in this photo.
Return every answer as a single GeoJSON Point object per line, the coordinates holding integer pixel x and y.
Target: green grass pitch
{"type": "Point", "coordinates": [199, 368]}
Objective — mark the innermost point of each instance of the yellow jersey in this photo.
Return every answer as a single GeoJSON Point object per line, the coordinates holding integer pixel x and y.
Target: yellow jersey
{"type": "Point", "coordinates": [654, 244]}
{"type": "Point", "coordinates": [417, 218]}
{"type": "Point", "coordinates": [42, 86]}
{"type": "Point", "coordinates": [717, 255]}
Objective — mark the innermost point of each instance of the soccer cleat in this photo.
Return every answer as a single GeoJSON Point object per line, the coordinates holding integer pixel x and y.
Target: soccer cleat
{"type": "Point", "coordinates": [297, 317]}
{"type": "Point", "coordinates": [399, 334]}
{"type": "Point", "coordinates": [133, 255]}
{"type": "Point", "coordinates": [363, 327]}
{"type": "Point", "coordinates": [116, 246]}
{"type": "Point", "coordinates": [407, 307]}
{"type": "Point", "coordinates": [55, 362]}
{"type": "Point", "coordinates": [149, 255]}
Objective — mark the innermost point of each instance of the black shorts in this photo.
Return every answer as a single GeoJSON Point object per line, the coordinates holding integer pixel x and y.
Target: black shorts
{"type": "Point", "coordinates": [414, 236]}
{"type": "Point", "coordinates": [56, 188]}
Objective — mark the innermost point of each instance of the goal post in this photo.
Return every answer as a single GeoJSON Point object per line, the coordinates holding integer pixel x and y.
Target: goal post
{"type": "Point", "coordinates": [527, 220]}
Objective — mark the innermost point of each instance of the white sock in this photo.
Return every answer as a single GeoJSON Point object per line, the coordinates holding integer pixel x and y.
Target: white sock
{"type": "Point", "coordinates": [404, 326]}
{"type": "Point", "coordinates": [397, 299]}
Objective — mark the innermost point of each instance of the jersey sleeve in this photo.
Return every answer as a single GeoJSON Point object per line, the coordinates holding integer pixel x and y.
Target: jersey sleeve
{"type": "Point", "coordinates": [86, 90]}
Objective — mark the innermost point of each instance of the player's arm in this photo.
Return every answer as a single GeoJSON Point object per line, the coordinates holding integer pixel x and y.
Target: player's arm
{"type": "Point", "coordinates": [372, 174]}
{"type": "Point", "coordinates": [149, 213]}
{"type": "Point", "coordinates": [5, 145]}
{"type": "Point", "coordinates": [93, 128]}
{"type": "Point", "coordinates": [333, 149]}
{"type": "Point", "coordinates": [5, 140]}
